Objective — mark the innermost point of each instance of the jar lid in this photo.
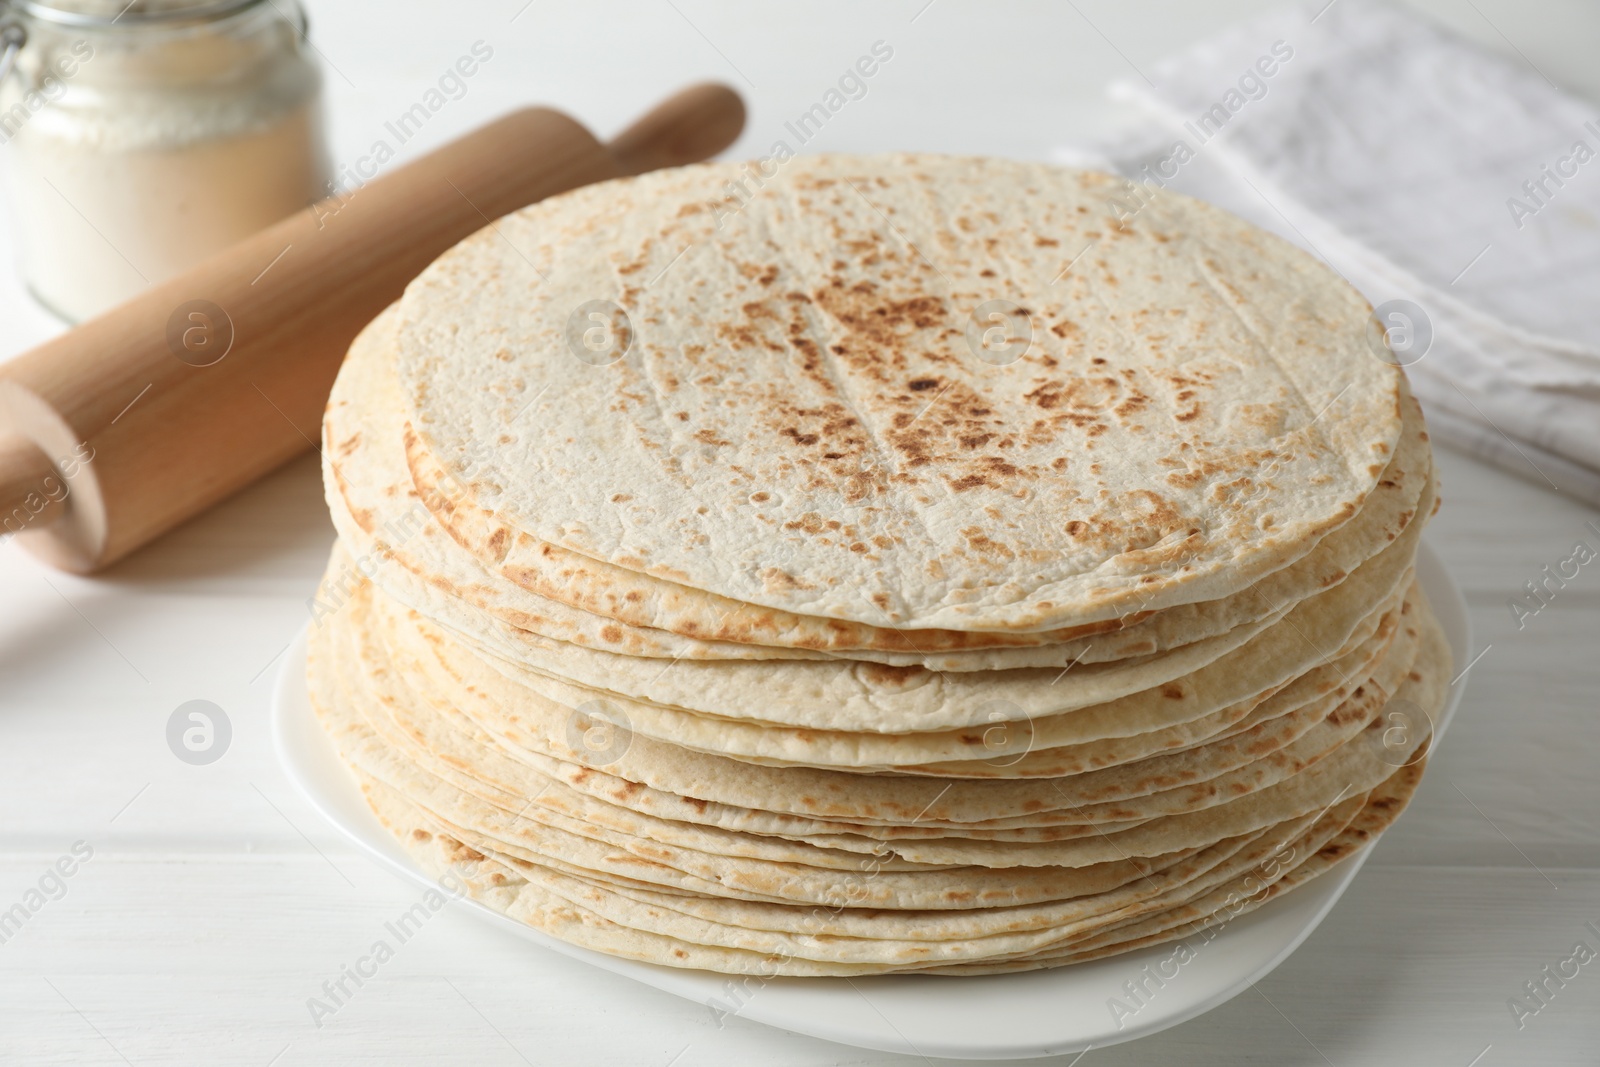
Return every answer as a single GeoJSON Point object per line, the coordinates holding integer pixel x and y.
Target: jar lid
{"type": "Point", "coordinates": [108, 13]}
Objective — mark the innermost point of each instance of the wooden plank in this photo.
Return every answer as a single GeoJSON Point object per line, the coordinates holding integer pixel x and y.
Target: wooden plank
{"type": "Point", "coordinates": [184, 958]}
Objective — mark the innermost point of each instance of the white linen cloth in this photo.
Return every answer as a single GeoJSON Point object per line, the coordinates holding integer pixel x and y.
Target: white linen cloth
{"type": "Point", "coordinates": [1424, 168]}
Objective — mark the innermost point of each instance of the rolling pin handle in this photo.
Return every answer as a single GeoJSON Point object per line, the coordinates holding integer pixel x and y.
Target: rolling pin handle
{"type": "Point", "coordinates": [688, 127]}
{"type": "Point", "coordinates": [32, 493]}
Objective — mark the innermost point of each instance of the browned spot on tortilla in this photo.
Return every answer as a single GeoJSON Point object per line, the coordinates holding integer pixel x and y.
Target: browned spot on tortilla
{"type": "Point", "coordinates": [883, 674]}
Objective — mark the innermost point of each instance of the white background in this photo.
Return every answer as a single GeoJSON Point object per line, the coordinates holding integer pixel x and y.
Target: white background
{"type": "Point", "coordinates": [216, 902]}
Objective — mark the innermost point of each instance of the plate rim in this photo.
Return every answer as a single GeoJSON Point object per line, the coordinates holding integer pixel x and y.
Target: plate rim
{"type": "Point", "coordinates": [295, 736]}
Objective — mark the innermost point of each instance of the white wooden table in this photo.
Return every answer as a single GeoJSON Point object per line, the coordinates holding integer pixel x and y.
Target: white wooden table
{"type": "Point", "coordinates": [215, 903]}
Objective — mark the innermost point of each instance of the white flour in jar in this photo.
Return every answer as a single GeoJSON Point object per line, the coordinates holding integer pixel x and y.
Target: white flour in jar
{"type": "Point", "coordinates": [165, 145]}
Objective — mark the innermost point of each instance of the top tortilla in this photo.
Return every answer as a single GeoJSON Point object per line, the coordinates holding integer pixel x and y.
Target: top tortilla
{"type": "Point", "coordinates": [799, 422]}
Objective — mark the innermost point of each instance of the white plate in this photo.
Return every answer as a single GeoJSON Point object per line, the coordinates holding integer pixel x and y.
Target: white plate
{"type": "Point", "coordinates": [1010, 1016]}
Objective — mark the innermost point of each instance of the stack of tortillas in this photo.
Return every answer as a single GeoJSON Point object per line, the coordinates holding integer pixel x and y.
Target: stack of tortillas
{"type": "Point", "coordinates": [872, 564]}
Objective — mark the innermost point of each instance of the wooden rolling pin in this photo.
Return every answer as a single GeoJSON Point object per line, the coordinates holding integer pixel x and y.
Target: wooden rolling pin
{"type": "Point", "coordinates": [120, 429]}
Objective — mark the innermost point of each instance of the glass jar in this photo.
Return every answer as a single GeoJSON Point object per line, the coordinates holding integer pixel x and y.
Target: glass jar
{"type": "Point", "coordinates": [139, 138]}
